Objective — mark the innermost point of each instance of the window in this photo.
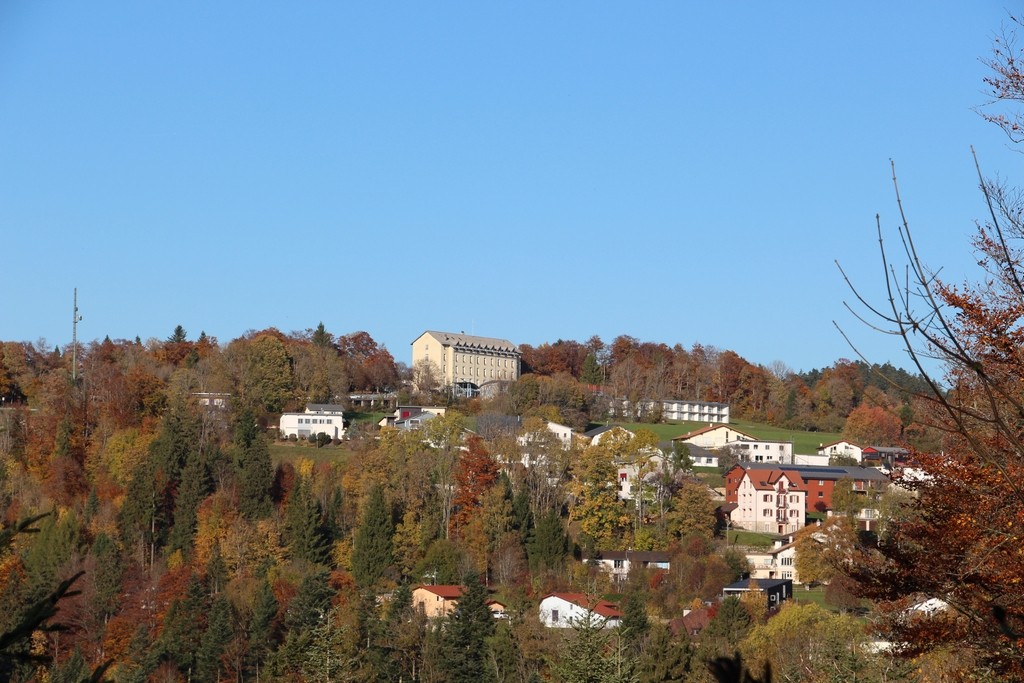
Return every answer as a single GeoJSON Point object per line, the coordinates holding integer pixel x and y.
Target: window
{"type": "Point", "coordinates": [767, 497]}
{"type": "Point", "coordinates": [617, 564]}
{"type": "Point", "coordinates": [821, 482]}
{"type": "Point", "coordinates": [821, 494]}
{"type": "Point", "coordinates": [786, 561]}
{"type": "Point", "coordinates": [554, 616]}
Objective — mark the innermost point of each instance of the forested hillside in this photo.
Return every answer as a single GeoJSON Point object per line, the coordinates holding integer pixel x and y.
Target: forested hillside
{"type": "Point", "coordinates": [201, 559]}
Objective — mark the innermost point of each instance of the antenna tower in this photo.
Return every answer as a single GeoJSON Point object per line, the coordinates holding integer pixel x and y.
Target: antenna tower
{"type": "Point", "coordinates": [75, 319]}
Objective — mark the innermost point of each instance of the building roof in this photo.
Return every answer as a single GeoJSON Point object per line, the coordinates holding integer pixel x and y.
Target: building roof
{"type": "Point", "coordinates": [886, 450]}
{"type": "Point", "coordinates": [833, 472]}
{"type": "Point", "coordinates": [762, 584]}
{"type": "Point", "coordinates": [836, 443]}
{"type": "Point", "coordinates": [602, 429]}
{"type": "Point", "coordinates": [632, 555]}
{"type": "Point", "coordinates": [324, 408]}
{"type": "Point", "coordinates": [767, 480]}
{"type": "Point", "coordinates": [600, 607]}
{"type": "Point", "coordinates": [711, 428]}
{"type": "Point", "coordinates": [449, 592]}
{"type": "Point", "coordinates": [472, 342]}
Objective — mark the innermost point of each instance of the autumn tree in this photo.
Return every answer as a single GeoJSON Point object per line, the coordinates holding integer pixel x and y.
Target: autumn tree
{"type": "Point", "coordinates": [872, 426]}
{"type": "Point", "coordinates": [959, 542]}
{"type": "Point", "coordinates": [475, 473]}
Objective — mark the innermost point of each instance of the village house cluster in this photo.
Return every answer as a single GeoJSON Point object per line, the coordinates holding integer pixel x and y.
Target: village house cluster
{"type": "Point", "coordinates": [771, 489]}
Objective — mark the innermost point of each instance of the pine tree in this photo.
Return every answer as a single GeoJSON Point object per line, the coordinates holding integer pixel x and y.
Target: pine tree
{"type": "Point", "coordinates": [219, 631]}
{"type": "Point", "coordinates": [548, 545]}
{"type": "Point", "coordinates": [635, 625]}
{"type": "Point", "coordinates": [371, 551]}
{"type": "Point", "coordinates": [466, 636]}
{"type": "Point", "coordinates": [583, 656]}
{"type": "Point", "coordinates": [666, 658]}
{"type": "Point", "coordinates": [106, 576]}
{"type": "Point", "coordinates": [262, 631]}
{"type": "Point", "coordinates": [254, 471]}
{"type": "Point", "coordinates": [194, 486]}
{"type": "Point", "coordinates": [591, 371]}
{"type": "Point", "coordinates": [184, 626]}
{"type": "Point", "coordinates": [303, 530]}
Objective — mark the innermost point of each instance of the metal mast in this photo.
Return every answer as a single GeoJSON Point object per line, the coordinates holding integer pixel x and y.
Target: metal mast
{"type": "Point", "coordinates": [75, 319]}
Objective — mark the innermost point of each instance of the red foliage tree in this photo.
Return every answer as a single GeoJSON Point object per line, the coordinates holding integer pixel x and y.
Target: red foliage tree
{"type": "Point", "coordinates": [475, 474]}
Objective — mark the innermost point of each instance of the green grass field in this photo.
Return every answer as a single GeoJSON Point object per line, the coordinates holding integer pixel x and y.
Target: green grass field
{"type": "Point", "coordinates": [741, 537]}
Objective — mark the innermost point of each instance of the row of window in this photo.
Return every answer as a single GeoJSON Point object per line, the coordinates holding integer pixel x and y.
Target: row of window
{"type": "Point", "coordinates": [767, 512]}
{"type": "Point", "coordinates": [485, 360]}
{"type": "Point", "coordinates": [316, 421]}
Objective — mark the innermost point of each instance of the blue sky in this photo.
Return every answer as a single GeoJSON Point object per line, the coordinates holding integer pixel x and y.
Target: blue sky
{"type": "Point", "coordinates": [679, 172]}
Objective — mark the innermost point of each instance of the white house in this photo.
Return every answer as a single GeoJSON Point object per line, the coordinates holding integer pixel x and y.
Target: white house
{"type": "Point", "coordinates": [561, 432]}
{"type": "Point", "coordinates": [563, 610]}
{"type": "Point", "coordinates": [779, 562]}
{"type": "Point", "coordinates": [618, 563]}
{"type": "Point", "coordinates": [763, 451]}
{"type": "Point", "coordinates": [713, 436]}
{"type": "Point", "coordinates": [318, 419]}
{"type": "Point", "coordinates": [648, 466]}
{"type": "Point", "coordinates": [769, 501]}
{"type": "Point", "coordinates": [846, 449]}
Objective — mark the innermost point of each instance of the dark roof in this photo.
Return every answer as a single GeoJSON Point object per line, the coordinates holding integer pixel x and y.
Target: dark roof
{"type": "Point", "coordinates": [818, 472]}
{"type": "Point", "coordinates": [472, 341]}
{"type": "Point", "coordinates": [632, 555]}
{"type": "Point", "coordinates": [762, 584]}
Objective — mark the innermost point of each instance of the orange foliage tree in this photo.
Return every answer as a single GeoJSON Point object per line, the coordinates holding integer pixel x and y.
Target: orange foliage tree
{"type": "Point", "coordinates": [475, 474]}
{"type": "Point", "coordinates": [872, 426]}
{"type": "Point", "coordinates": [960, 541]}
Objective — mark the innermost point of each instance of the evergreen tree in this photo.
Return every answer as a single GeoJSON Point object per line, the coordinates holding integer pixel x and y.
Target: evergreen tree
{"type": "Point", "coordinates": [218, 633]}
{"type": "Point", "coordinates": [146, 510]}
{"type": "Point", "coordinates": [371, 551]}
{"type": "Point", "coordinates": [254, 471]}
{"type": "Point", "coordinates": [591, 371]}
{"type": "Point", "coordinates": [71, 670]}
{"type": "Point", "coordinates": [303, 531]}
{"type": "Point", "coordinates": [184, 626]}
{"type": "Point", "coordinates": [548, 545]}
{"type": "Point", "coordinates": [635, 625]}
{"type": "Point", "coordinates": [522, 517]}
{"type": "Point", "coordinates": [106, 576]}
{"type": "Point", "coordinates": [726, 629]}
{"type": "Point", "coordinates": [177, 440]}
{"type": "Point", "coordinates": [216, 571]}
{"type": "Point", "coordinates": [262, 631]}
{"type": "Point", "coordinates": [310, 602]}
{"type": "Point", "coordinates": [666, 658]}
{"type": "Point", "coordinates": [466, 636]}
{"type": "Point", "coordinates": [583, 655]}
{"type": "Point", "coordinates": [194, 486]}
{"type": "Point", "coordinates": [327, 655]}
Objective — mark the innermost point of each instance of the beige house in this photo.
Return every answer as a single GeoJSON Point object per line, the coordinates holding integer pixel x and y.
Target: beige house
{"type": "Point", "coordinates": [436, 601]}
{"type": "Point", "coordinates": [777, 563]}
{"type": "Point", "coordinates": [464, 362]}
{"type": "Point", "coordinates": [844, 449]}
{"type": "Point", "coordinates": [714, 436]}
